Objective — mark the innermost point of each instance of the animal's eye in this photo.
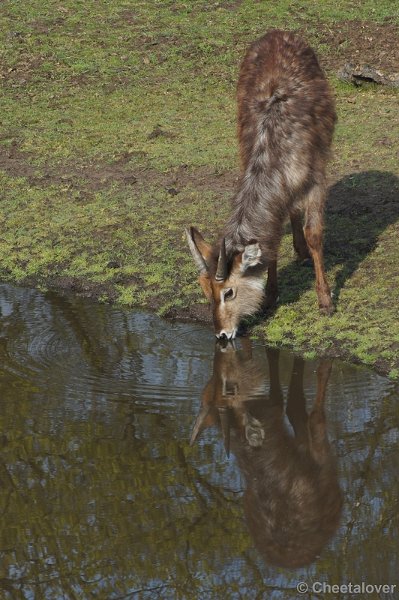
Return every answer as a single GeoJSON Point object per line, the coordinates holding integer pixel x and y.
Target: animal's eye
{"type": "Point", "coordinates": [228, 294]}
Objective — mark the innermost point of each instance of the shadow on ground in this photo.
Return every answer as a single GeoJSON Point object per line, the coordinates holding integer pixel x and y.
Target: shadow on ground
{"type": "Point", "coordinates": [359, 208]}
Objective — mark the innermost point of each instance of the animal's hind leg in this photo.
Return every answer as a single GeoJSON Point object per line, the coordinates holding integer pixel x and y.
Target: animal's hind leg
{"type": "Point", "coordinates": [300, 245]}
{"type": "Point", "coordinates": [313, 230]}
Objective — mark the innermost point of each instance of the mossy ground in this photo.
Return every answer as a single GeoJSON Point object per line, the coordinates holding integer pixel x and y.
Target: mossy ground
{"type": "Point", "coordinates": [118, 129]}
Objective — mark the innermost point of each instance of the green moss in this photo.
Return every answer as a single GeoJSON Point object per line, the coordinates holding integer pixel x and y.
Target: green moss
{"type": "Point", "coordinates": [393, 374]}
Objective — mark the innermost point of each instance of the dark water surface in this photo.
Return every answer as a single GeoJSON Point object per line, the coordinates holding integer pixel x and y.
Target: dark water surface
{"type": "Point", "coordinates": [102, 496]}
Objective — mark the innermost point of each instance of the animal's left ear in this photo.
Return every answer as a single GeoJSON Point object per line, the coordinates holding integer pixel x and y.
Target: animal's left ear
{"type": "Point", "coordinates": [251, 256]}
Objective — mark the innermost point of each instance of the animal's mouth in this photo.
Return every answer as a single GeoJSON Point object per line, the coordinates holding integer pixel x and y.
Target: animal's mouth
{"type": "Point", "coordinates": [226, 345]}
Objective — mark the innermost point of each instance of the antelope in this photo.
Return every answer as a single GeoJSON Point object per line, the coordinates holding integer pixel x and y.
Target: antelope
{"type": "Point", "coordinates": [286, 118]}
{"type": "Point", "coordinates": [292, 500]}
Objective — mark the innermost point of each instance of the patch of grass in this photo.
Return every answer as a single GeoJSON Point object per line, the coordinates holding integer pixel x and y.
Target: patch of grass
{"type": "Point", "coordinates": [364, 325]}
{"type": "Point", "coordinates": [131, 238]}
{"type": "Point", "coordinates": [93, 80]}
{"type": "Point", "coordinates": [148, 89]}
{"type": "Point", "coordinates": [394, 374]}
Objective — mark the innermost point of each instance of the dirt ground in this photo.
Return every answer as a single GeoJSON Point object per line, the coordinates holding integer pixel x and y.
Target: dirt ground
{"type": "Point", "coordinates": [361, 42]}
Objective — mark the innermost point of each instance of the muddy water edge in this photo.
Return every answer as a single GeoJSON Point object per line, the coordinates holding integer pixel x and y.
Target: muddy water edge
{"type": "Point", "coordinates": [138, 460]}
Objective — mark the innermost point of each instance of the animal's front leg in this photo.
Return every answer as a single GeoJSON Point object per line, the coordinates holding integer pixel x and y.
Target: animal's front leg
{"type": "Point", "coordinates": [271, 295]}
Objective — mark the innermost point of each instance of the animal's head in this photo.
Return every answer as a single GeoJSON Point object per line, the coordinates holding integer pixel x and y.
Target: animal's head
{"type": "Point", "coordinates": [233, 284]}
{"type": "Point", "coordinates": [237, 376]}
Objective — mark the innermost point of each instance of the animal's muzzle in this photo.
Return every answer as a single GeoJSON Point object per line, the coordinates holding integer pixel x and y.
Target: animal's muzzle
{"type": "Point", "coordinates": [226, 335]}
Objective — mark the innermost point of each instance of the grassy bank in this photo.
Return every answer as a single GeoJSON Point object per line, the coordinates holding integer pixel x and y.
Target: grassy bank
{"type": "Point", "coordinates": [118, 129]}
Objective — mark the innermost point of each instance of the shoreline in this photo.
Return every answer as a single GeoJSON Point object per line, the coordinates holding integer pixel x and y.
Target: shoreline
{"type": "Point", "coordinates": [196, 313]}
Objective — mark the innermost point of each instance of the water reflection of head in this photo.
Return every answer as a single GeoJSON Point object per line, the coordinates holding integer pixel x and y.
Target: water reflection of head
{"type": "Point", "coordinates": [293, 500]}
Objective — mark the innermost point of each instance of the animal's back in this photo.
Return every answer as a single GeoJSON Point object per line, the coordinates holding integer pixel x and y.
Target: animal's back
{"type": "Point", "coordinates": [286, 118]}
{"type": "Point", "coordinates": [286, 113]}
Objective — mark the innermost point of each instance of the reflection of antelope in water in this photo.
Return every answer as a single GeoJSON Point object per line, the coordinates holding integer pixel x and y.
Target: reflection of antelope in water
{"type": "Point", "coordinates": [293, 500]}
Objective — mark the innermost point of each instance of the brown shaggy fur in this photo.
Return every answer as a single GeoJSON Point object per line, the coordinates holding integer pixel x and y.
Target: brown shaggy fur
{"type": "Point", "coordinates": [286, 120]}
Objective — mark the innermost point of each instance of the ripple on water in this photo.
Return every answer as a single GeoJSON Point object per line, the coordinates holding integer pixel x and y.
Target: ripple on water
{"type": "Point", "coordinates": [96, 456]}
{"type": "Point", "coordinates": [91, 350]}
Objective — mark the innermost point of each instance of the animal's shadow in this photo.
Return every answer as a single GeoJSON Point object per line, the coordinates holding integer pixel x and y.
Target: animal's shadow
{"type": "Point", "coordinates": [292, 501]}
{"type": "Point", "coordinates": [359, 208]}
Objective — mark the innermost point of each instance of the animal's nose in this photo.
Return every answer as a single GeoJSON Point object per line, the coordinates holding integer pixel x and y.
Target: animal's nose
{"type": "Point", "coordinates": [226, 335]}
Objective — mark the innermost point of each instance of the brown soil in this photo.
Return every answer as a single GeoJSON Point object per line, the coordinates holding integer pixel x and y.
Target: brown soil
{"type": "Point", "coordinates": [91, 177]}
{"type": "Point", "coordinates": [361, 42]}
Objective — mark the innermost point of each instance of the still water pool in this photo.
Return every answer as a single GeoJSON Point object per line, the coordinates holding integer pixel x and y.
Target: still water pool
{"type": "Point", "coordinates": [291, 474]}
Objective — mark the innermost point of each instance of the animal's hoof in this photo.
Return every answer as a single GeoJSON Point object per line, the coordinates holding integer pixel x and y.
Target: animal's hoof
{"type": "Point", "coordinates": [327, 309]}
{"type": "Point", "coordinates": [270, 302]}
{"type": "Point", "coordinates": [306, 262]}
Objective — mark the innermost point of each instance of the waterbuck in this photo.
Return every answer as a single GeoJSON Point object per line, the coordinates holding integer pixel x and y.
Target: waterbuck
{"type": "Point", "coordinates": [292, 500]}
{"type": "Point", "coordinates": [286, 118]}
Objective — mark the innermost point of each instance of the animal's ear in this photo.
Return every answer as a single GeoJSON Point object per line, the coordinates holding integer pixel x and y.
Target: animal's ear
{"type": "Point", "coordinates": [206, 286]}
{"type": "Point", "coordinates": [200, 249]}
{"type": "Point", "coordinates": [202, 245]}
{"type": "Point", "coordinates": [251, 256]}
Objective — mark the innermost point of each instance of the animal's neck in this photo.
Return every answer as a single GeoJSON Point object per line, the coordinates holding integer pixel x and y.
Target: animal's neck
{"type": "Point", "coordinates": [256, 214]}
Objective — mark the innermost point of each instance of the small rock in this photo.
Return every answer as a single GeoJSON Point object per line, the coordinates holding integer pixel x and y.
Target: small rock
{"type": "Point", "coordinates": [172, 191]}
{"type": "Point", "coordinates": [385, 141]}
{"type": "Point", "coordinates": [159, 132]}
{"type": "Point", "coordinates": [359, 74]}
{"type": "Point", "coordinates": [113, 264]}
